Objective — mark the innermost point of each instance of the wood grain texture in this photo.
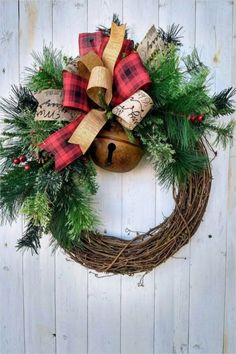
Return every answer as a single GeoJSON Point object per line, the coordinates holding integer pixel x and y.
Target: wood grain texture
{"type": "Point", "coordinates": [207, 272]}
{"type": "Point", "coordinates": [187, 305]}
{"type": "Point", "coordinates": [11, 272]}
{"type": "Point", "coordinates": [230, 291]}
{"type": "Point", "coordinates": [35, 25]}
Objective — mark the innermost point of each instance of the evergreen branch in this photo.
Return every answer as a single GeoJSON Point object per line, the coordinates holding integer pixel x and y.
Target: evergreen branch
{"type": "Point", "coordinates": [16, 186]}
{"type": "Point", "coordinates": [36, 209]}
{"type": "Point", "coordinates": [46, 71]}
{"type": "Point", "coordinates": [224, 132]}
{"type": "Point", "coordinates": [193, 63]}
{"type": "Point", "coordinates": [171, 35]}
{"type": "Point", "coordinates": [50, 182]}
{"type": "Point", "coordinates": [185, 164]}
{"type": "Point", "coordinates": [223, 103]}
{"type": "Point", "coordinates": [31, 238]}
{"type": "Point", "coordinates": [181, 132]}
{"type": "Point", "coordinates": [21, 99]}
{"type": "Point", "coordinates": [72, 213]}
{"type": "Point", "coordinates": [84, 173]}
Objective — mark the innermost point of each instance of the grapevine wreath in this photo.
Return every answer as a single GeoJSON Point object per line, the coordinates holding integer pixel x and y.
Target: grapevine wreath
{"type": "Point", "coordinates": [110, 106]}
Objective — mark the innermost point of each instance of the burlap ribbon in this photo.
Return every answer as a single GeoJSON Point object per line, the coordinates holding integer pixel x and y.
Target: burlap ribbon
{"type": "Point", "coordinates": [99, 77]}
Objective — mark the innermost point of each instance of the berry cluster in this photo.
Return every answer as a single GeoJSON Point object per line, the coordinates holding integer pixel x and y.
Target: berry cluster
{"type": "Point", "coordinates": [21, 160]}
{"type": "Point", "coordinates": [197, 118]}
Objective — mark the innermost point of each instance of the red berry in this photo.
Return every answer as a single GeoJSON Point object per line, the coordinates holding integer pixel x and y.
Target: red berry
{"type": "Point", "coordinates": [16, 161]}
{"type": "Point", "coordinates": [193, 118]}
{"type": "Point", "coordinates": [27, 167]}
{"type": "Point", "coordinates": [200, 118]}
{"type": "Point", "coordinates": [23, 158]}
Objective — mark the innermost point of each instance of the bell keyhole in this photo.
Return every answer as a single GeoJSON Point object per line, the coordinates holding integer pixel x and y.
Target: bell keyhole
{"type": "Point", "coordinates": [111, 148]}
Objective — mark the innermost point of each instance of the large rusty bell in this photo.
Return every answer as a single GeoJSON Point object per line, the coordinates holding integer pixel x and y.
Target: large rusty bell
{"type": "Point", "coordinates": [113, 151]}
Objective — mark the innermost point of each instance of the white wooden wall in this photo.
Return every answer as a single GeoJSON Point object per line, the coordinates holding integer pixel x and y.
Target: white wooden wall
{"type": "Point", "coordinates": [49, 304]}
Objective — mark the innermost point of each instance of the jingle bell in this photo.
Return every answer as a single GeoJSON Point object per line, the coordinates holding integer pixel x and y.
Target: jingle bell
{"type": "Point", "coordinates": [113, 151]}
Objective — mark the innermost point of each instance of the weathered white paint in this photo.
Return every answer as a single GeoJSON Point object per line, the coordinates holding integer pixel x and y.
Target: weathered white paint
{"type": "Point", "coordinates": [49, 304]}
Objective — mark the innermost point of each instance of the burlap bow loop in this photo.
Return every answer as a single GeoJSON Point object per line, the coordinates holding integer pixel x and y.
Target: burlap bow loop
{"type": "Point", "coordinates": [91, 68]}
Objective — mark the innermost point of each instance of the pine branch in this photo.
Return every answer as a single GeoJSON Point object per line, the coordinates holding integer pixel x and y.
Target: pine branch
{"type": "Point", "coordinates": [223, 102]}
{"type": "Point", "coordinates": [224, 132]}
{"type": "Point", "coordinates": [181, 132]}
{"type": "Point", "coordinates": [72, 213]}
{"type": "Point", "coordinates": [21, 99]}
{"type": "Point", "coordinates": [193, 63]}
{"type": "Point", "coordinates": [31, 238]}
{"type": "Point", "coordinates": [46, 71]}
{"type": "Point", "coordinates": [185, 164]}
{"type": "Point", "coordinates": [84, 173]}
{"type": "Point", "coordinates": [171, 35]}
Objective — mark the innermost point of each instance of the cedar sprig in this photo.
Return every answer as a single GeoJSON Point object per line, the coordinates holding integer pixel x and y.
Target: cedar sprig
{"type": "Point", "coordinates": [36, 209]}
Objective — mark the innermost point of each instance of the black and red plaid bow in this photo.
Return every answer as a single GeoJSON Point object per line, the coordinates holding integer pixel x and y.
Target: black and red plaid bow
{"type": "Point", "coordinates": [129, 76]}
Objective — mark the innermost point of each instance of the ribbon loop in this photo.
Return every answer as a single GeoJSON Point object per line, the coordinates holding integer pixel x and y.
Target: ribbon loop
{"type": "Point", "coordinates": [130, 112]}
{"type": "Point", "coordinates": [100, 79]}
{"type": "Point", "coordinates": [87, 63]}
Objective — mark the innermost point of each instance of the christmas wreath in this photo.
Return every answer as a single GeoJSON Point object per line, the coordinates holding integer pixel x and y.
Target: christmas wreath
{"type": "Point", "coordinates": [110, 106]}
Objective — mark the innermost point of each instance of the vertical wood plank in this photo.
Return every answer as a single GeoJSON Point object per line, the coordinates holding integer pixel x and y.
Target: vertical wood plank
{"type": "Point", "coordinates": [207, 271]}
{"type": "Point", "coordinates": [39, 282]}
{"type": "Point", "coordinates": [138, 214]}
{"type": "Point", "coordinates": [71, 278]}
{"type": "Point", "coordinates": [71, 306]}
{"type": "Point", "coordinates": [172, 278]}
{"type": "Point", "coordinates": [11, 274]}
{"type": "Point", "coordinates": [230, 303]}
{"type": "Point", "coordinates": [104, 293]}
{"type": "Point", "coordinates": [229, 340]}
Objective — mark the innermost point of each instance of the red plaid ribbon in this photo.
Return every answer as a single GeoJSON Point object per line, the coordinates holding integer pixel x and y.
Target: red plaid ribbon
{"type": "Point", "coordinates": [75, 95]}
{"type": "Point", "coordinates": [57, 144]}
{"type": "Point", "coordinates": [97, 42]}
{"type": "Point", "coordinates": [129, 76]}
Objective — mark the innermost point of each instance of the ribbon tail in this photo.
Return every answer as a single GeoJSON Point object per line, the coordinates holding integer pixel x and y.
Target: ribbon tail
{"type": "Point", "coordinates": [88, 129]}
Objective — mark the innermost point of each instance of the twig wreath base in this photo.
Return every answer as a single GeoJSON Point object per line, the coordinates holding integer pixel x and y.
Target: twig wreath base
{"type": "Point", "coordinates": [143, 253]}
